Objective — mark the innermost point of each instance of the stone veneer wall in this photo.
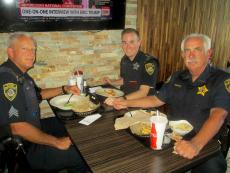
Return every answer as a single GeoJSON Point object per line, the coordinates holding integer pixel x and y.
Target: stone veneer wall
{"type": "Point", "coordinates": [97, 53]}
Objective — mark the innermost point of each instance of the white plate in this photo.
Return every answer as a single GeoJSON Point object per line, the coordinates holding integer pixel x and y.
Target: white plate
{"type": "Point", "coordinates": [60, 101]}
{"type": "Point", "coordinates": [109, 92]}
{"type": "Point", "coordinates": [181, 127]}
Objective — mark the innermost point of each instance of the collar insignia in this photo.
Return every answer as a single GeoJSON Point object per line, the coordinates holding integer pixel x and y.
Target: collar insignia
{"type": "Point", "coordinates": [150, 68]}
{"type": "Point", "coordinates": [202, 90]}
{"type": "Point", "coordinates": [177, 85]}
{"type": "Point", "coordinates": [136, 66]}
{"type": "Point", "coordinates": [10, 91]}
{"type": "Point", "coordinates": [168, 80]}
{"type": "Point", "coordinates": [227, 85]}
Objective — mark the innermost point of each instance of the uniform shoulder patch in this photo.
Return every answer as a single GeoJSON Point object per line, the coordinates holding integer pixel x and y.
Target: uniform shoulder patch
{"type": "Point", "coordinates": [150, 68]}
{"type": "Point", "coordinates": [10, 90]}
{"type": "Point", "coordinates": [227, 84]}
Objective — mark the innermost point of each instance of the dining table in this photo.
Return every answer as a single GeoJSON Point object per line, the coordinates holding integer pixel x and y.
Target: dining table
{"type": "Point", "coordinates": [107, 150]}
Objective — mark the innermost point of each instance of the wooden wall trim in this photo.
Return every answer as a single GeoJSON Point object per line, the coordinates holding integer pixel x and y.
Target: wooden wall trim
{"type": "Point", "coordinates": [163, 24]}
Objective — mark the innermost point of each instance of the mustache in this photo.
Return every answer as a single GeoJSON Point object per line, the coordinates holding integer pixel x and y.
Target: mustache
{"type": "Point", "coordinates": [191, 60]}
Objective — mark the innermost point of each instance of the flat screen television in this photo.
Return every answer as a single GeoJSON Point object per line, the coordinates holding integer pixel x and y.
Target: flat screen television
{"type": "Point", "coordinates": [61, 15]}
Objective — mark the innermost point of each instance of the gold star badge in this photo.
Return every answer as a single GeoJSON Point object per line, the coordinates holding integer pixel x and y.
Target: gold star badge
{"type": "Point", "coordinates": [202, 90]}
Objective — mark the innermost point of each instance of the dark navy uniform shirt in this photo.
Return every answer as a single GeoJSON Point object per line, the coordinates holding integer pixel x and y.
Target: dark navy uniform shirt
{"type": "Point", "coordinates": [143, 70]}
{"type": "Point", "coordinates": [193, 101]}
{"type": "Point", "coordinates": [16, 105]}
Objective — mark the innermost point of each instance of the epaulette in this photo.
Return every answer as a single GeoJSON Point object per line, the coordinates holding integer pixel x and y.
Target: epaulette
{"type": "Point", "coordinates": [149, 57]}
{"type": "Point", "coordinates": [20, 79]}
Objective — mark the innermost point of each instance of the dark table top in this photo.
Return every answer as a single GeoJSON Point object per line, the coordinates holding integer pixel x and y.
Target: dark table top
{"type": "Point", "coordinates": [106, 150]}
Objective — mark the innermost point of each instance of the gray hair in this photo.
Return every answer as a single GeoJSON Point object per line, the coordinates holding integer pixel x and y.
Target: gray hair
{"type": "Point", "coordinates": [16, 36]}
{"type": "Point", "coordinates": [130, 30]}
{"type": "Point", "coordinates": [205, 38]}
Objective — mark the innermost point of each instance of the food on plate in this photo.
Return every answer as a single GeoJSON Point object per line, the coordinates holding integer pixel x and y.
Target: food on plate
{"type": "Point", "coordinates": [133, 117]}
{"type": "Point", "coordinates": [183, 126]}
{"type": "Point", "coordinates": [68, 105]}
{"type": "Point", "coordinates": [124, 123]}
{"type": "Point", "coordinates": [76, 103]}
{"type": "Point", "coordinates": [108, 92]}
{"type": "Point", "coordinates": [140, 116]}
{"type": "Point", "coordinates": [141, 129]}
{"type": "Point", "coordinates": [84, 106]}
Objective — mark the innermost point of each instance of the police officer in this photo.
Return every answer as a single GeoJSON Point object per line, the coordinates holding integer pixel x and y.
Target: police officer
{"type": "Point", "coordinates": [49, 148]}
{"type": "Point", "coordinates": [138, 71]}
{"type": "Point", "coordinates": [200, 95]}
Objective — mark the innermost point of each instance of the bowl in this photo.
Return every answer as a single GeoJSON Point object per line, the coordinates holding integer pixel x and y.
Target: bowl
{"type": "Point", "coordinates": [180, 127]}
{"type": "Point", "coordinates": [141, 129]}
{"type": "Point", "coordinates": [79, 105]}
{"type": "Point", "coordinates": [59, 101]}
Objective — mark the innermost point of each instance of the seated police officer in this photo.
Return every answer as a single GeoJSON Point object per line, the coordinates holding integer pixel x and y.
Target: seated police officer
{"type": "Point", "coordinates": [138, 71]}
{"type": "Point", "coordinates": [200, 95]}
{"type": "Point", "coordinates": [49, 147]}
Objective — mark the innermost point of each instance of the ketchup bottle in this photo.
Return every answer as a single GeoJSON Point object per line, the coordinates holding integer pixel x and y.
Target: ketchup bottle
{"type": "Point", "coordinates": [153, 137]}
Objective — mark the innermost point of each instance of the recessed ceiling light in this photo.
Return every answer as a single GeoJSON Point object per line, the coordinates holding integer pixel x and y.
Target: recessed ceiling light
{"type": "Point", "coordinates": [8, 1]}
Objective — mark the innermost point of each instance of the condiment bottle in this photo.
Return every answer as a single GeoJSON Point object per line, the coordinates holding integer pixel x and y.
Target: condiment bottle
{"type": "Point", "coordinates": [84, 87]}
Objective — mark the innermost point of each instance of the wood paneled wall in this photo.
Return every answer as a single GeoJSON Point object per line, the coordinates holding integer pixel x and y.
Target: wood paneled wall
{"type": "Point", "coordinates": [164, 23]}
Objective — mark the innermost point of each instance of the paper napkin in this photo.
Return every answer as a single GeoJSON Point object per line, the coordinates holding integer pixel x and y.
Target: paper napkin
{"type": "Point", "coordinates": [90, 119]}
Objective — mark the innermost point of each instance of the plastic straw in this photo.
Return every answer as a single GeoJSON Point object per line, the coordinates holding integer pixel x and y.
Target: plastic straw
{"type": "Point", "coordinates": [158, 113]}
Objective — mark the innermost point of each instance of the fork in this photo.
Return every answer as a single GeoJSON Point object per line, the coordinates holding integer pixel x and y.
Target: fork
{"type": "Point", "coordinates": [69, 99]}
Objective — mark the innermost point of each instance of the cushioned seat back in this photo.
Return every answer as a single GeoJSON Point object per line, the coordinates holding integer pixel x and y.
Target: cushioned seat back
{"type": "Point", "coordinates": [12, 154]}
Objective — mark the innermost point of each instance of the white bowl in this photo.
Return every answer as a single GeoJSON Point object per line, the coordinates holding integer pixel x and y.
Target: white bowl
{"type": "Point", "coordinates": [180, 127]}
{"type": "Point", "coordinates": [60, 101]}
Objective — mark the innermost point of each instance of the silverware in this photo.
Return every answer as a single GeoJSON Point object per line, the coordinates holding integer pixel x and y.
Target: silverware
{"type": "Point", "coordinates": [69, 99]}
{"type": "Point", "coordinates": [129, 112]}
